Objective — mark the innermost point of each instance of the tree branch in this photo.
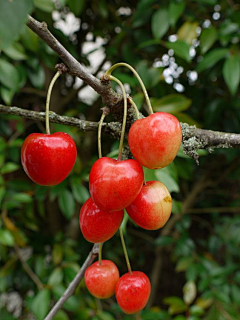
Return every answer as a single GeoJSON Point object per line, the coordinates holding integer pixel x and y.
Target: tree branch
{"type": "Point", "coordinates": [109, 96]}
{"type": "Point", "coordinates": [193, 138]}
{"type": "Point", "coordinates": [74, 284]}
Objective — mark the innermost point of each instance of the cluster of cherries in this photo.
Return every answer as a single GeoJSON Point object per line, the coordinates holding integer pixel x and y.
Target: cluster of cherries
{"type": "Point", "coordinates": [114, 185]}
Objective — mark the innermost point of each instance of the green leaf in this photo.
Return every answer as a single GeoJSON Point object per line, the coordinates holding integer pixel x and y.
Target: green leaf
{"type": "Point", "coordinates": [172, 103]}
{"type": "Point", "coordinates": [183, 264]}
{"type": "Point", "coordinates": [211, 58]}
{"type": "Point", "coordinates": [6, 95]}
{"type": "Point", "coordinates": [56, 277]}
{"type": "Point", "coordinates": [188, 32]}
{"type": "Point", "coordinates": [160, 23]}
{"type": "Point", "coordinates": [61, 315]}
{"type": "Point", "coordinates": [13, 15]}
{"type": "Point", "coordinates": [9, 167]}
{"type": "Point", "coordinates": [22, 197]}
{"type": "Point", "coordinates": [231, 73]}
{"type": "Point", "coordinates": [164, 240]}
{"type": "Point", "coordinates": [57, 253]}
{"type": "Point", "coordinates": [235, 292]}
{"type": "Point", "coordinates": [175, 11]}
{"type": "Point", "coordinates": [207, 39]}
{"type": "Point", "coordinates": [66, 203]}
{"type": "Point", "coordinates": [16, 52]}
{"type": "Point", "coordinates": [176, 305]}
{"type": "Point", "coordinates": [37, 77]}
{"type": "Point", "coordinates": [76, 6]}
{"type": "Point", "coordinates": [166, 179]}
{"type": "Point", "coordinates": [185, 118]}
{"type": "Point", "coordinates": [6, 238]}
{"type": "Point", "coordinates": [44, 5]}
{"type": "Point", "coordinates": [8, 75]}
{"type": "Point", "coordinates": [80, 193]}
{"type": "Point", "coordinates": [180, 48]}
{"type": "Point", "coordinates": [41, 304]}
{"type": "Point", "coordinates": [150, 76]}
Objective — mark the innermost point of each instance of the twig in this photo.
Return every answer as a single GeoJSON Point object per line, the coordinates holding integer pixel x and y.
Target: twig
{"type": "Point", "coordinates": [28, 270]}
{"type": "Point", "coordinates": [109, 96]}
{"type": "Point", "coordinates": [212, 139]}
{"type": "Point", "coordinates": [74, 284]}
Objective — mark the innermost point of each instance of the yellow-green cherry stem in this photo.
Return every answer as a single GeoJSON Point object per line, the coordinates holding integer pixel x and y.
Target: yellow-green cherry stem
{"type": "Point", "coordinates": [125, 251]}
{"type": "Point", "coordinates": [100, 253]}
{"type": "Point", "coordinates": [122, 64]}
{"type": "Point", "coordinates": [134, 106]}
{"type": "Point", "coordinates": [124, 115]}
{"type": "Point", "coordinates": [99, 135]}
{"type": "Point", "coordinates": [48, 100]}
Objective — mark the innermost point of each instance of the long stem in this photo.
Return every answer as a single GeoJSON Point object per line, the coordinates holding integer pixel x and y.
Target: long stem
{"type": "Point", "coordinates": [125, 251]}
{"type": "Point", "coordinates": [124, 115]}
{"type": "Point", "coordinates": [122, 64]}
{"type": "Point", "coordinates": [100, 253]}
{"type": "Point", "coordinates": [48, 100]}
{"type": "Point", "coordinates": [134, 106]}
{"type": "Point", "coordinates": [99, 135]}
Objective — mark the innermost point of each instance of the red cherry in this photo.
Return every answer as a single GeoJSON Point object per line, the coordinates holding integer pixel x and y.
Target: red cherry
{"type": "Point", "coordinates": [48, 158]}
{"type": "Point", "coordinates": [101, 279]}
{"type": "Point", "coordinates": [133, 291]}
{"type": "Point", "coordinates": [115, 184]}
{"type": "Point", "coordinates": [154, 141]}
{"type": "Point", "coordinates": [98, 225]}
{"type": "Point", "coordinates": [152, 207]}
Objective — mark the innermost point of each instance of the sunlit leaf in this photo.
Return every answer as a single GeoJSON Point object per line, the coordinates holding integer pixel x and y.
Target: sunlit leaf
{"type": "Point", "coordinates": [180, 48]}
{"type": "Point", "coordinates": [175, 10]}
{"type": "Point", "coordinates": [41, 304]}
{"type": "Point", "coordinates": [188, 32]}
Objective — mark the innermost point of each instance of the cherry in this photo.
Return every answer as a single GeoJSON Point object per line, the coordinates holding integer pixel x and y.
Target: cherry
{"type": "Point", "coordinates": [98, 225]}
{"type": "Point", "coordinates": [133, 291]}
{"type": "Point", "coordinates": [154, 141]}
{"type": "Point", "coordinates": [101, 279]}
{"type": "Point", "coordinates": [152, 207]}
{"type": "Point", "coordinates": [48, 158]}
{"type": "Point", "coordinates": [114, 184]}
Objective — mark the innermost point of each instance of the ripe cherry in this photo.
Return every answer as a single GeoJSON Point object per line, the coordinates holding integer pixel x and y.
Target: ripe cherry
{"type": "Point", "coordinates": [98, 225]}
{"type": "Point", "coordinates": [154, 141]}
{"type": "Point", "coordinates": [48, 158]}
{"type": "Point", "coordinates": [115, 184]}
{"type": "Point", "coordinates": [101, 279]}
{"type": "Point", "coordinates": [152, 207]}
{"type": "Point", "coordinates": [133, 291]}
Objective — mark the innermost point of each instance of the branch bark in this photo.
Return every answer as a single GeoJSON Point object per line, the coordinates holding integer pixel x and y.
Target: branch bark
{"type": "Point", "coordinates": [109, 96]}
{"type": "Point", "coordinates": [74, 284]}
{"type": "Point", "coordinates": [193, 138]}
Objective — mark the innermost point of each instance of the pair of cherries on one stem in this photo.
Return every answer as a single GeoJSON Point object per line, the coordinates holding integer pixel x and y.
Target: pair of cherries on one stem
{"type": "Point", "coordinates": [132, 289]}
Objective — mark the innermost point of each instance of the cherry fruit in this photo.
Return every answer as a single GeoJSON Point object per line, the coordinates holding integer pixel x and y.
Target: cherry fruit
{"type": "Point", "coordinates": [154, 141]}
{"type": "Point", "coordinates": [98, 225]}
{"type": "Point", "coordinates": [48, 158]}
{"type": "Point", "coordinates": [133, 291]}
{"type": "Point", "coordinates": [115, 184]}
{"type": "Point", "coordinates": [152, 207]}
{"type": "Point", "coordinates": [101, 279]}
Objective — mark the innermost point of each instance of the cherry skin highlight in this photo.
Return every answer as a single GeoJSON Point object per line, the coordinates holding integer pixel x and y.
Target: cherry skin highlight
{"type": "Point", "coordinates": [155, 140]}
{"type": "Point", "coordinates": [115, 184]}
{"type": "Point", "coordinates": [152, 207]}
{"type": "Point", "coordinates": [98, 225]}
{"type": "Point", "coordinates": [48, 158]}
{"type": "Point", "coordinates": [133, 291]}
{"type": "Point", "coordinates": [101, 279]}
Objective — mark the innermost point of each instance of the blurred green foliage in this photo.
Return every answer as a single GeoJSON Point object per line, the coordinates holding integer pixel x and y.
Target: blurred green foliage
{"type": "Point", "coordinates": [187, 53]}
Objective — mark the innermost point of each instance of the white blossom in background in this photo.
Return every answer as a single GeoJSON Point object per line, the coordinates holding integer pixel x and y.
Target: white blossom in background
{"type": "Point", "coordinates": [13, 302]}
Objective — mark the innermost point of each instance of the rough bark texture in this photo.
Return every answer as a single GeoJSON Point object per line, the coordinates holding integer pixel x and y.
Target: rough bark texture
{"type": "Point", "coordinates": [193, 138]}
